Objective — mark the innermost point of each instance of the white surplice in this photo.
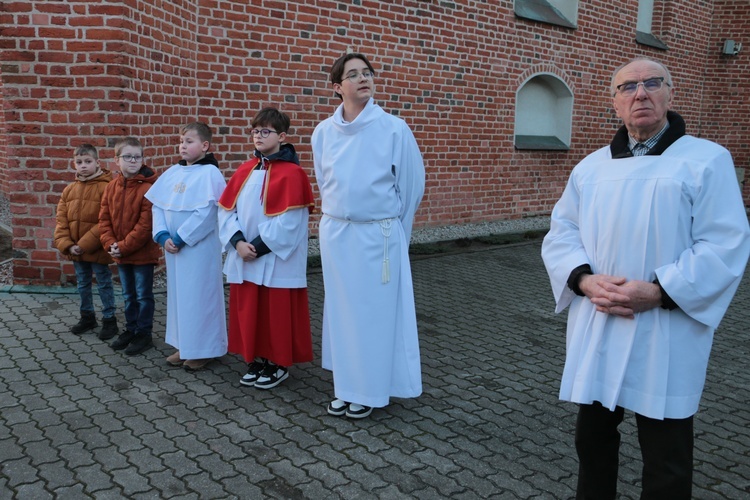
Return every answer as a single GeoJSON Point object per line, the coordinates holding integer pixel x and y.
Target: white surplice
{"type": "Point", "coordinates": [284, 234]}
{"type": "Point", "coordinates": [371, 177]}
{"type": "Point", "coordinates": [679, 217]}
{"type": "Point", "coordinates": [185, 204]}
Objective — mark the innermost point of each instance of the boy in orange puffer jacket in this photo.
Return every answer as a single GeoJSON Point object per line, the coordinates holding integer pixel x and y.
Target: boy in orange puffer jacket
{"type": "Point", "coordinates": [77, 238]}
{"type": "Point", "coordinates": [125, 227]}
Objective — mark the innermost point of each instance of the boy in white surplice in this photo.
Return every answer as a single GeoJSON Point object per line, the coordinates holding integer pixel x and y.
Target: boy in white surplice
{"type": "Point", "coordinates": [185, 223]}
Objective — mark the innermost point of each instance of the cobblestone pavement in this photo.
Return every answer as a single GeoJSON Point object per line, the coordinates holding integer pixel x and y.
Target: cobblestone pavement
{"type": "Point", "coordinates": [78, 419]}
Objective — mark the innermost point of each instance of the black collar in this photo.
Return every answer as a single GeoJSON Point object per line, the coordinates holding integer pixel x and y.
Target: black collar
{"type": "Point", "coordinates": [619, 147]}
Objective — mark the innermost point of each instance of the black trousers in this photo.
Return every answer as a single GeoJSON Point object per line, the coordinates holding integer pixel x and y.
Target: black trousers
{"type": "Point", "coordinates": [666, 448]}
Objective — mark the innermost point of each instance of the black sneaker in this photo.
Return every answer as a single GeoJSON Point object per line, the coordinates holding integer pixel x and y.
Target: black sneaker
{"type": "Point", "coordinates": [140, 343]}
{"type": "Point", "coordinates": [271, 376]}
{"type": "Point", "coordinates": [358, 411]}
{"type": "Point", "coordinates": [338, 407]}
{"type": "Point", "coordinates": [254, 370]}
{"type": "Point", "coordinates": [122, 341]}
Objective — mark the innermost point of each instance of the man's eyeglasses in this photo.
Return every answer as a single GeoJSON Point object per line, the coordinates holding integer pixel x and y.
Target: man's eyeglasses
{"type": "Point", "coordinates": [131, 158]}
{"type": "Point", "coordinates": [651, 85]}
{"type": "Point", "coordinates": [354, 76]}
{"type": "Point", "coordinates": [264, 132]}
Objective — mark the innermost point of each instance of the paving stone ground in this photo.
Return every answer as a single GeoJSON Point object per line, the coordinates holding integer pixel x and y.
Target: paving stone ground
{"type": "Point", "coordinates": [79, 420]}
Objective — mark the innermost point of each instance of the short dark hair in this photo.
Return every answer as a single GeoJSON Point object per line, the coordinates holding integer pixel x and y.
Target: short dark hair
{"type": "Point", "coordinates": [87, 149]}
{"type": "Point", "coordinates": [337, 70]}
{"type": "Point", "coordinates": [127, 141]}
{"type": "Point", "coordinates": [203, 130]}
{"type": "Point", "coordinates": [272, 117]}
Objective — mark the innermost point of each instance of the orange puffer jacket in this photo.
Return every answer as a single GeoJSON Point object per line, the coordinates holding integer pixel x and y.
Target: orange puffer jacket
{"type": "Point", "coordinates": [125, 219]}
{"type": "Point", "coordinates": [78, 219]}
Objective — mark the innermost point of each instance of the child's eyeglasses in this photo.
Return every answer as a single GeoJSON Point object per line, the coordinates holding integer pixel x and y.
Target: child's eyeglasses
{"type": "Point", "coordinates": [264, 132]}
{"type": "Point", "coordinates": [131, 158]}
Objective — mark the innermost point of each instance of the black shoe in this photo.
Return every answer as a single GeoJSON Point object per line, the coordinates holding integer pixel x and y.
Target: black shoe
{"type": "Point", "coordinates": [254, 370]}
{"type": "Point", "coordinates": [141, 342]}
{"type": "Point", "coordinates": [358, 411]}
{"type": "Point", "coordinates": [271, 376]}
{"type": "Point", "coordinates": [86, 323]}
{"type": "Point", "coordinates": [338, 407]}
{"type": "Point", "coordinates": [109, 328]}
{"type": "Point", "coordinates": [123, 340]}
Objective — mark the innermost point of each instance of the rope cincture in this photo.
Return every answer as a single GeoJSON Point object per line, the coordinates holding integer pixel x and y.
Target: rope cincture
{"type": "Point", "coordinates": [385, 229]}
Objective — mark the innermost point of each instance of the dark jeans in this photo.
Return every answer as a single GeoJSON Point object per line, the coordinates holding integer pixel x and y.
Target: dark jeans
{"type": "Point", "coordinates": [84, 273]}
{"type": "Point", "coordinates": [666, 448]}
{"type": "Point", "coordinates": [138, 293]}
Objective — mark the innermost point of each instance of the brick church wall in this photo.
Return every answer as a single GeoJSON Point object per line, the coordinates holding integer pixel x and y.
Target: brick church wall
{"type": "Point", "coordinates": [725, 87]}
{"type": "Point", "coordinates": [4, 171]}
{"type": "Point", "coordinates": [88, 71]}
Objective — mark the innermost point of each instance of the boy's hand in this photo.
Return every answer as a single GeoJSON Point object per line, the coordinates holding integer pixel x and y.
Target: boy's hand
{"type": "Point", "coordinates": [170, 247]}
{"type": "Point", "coordinates": [76, 250]}
{"type": "Point", "coordinates": [246, 251]}
{"type": "Point", "coordinates": [114, 251]}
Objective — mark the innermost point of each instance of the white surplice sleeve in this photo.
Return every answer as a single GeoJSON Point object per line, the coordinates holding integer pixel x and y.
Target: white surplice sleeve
{"type": "Point", "coordinates": [204, 219]}
{"type": "Point", "coordinates": [410, 178]}
{"type": "Point", "coordinates": [200, 224]}
{"type": "Point", "coordinates": [705, 277]}
{"type": "Point", "coordinates": [562, 249]}
{"type": "Point", "coordinates": [159, 221]}
{"type": "Point", "coordinates": [283, 233]}
{"type": "Point", "coordinates": [229, 224]}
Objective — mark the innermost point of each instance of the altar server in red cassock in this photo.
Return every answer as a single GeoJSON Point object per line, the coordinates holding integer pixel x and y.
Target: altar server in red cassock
{"type": "Point", "coordinates": [263, 221]}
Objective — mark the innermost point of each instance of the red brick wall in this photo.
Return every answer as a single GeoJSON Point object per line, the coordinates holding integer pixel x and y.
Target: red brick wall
{"type": "Point", "coordinates": [4, 170]}
{"type": "Point", "coordinates": [94, 71]}
{"type": "Point", "coordinates": [87, 72]}
{"type": "Point", "coordinates": [726, 84]}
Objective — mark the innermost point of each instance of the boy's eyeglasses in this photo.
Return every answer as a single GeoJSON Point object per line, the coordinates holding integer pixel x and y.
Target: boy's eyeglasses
{"type": "Point", "coordinates": [356, 75]}
{"type": "Point", "coordinates": [264, 132]}
{"type": "Point", "coordinates": [131, 158]}
{"type": "Point", "coordinates": [650, 85]}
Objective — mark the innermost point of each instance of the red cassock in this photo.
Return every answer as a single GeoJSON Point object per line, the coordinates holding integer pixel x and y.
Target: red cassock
{"type": "Point", "coordinates": [267, 322]}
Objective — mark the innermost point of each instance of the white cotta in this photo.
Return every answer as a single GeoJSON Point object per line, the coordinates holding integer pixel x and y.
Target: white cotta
{"type": "Point", "coordinates": [285, 235]}
{"type": "Point", "coordinates": [678, 216]}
